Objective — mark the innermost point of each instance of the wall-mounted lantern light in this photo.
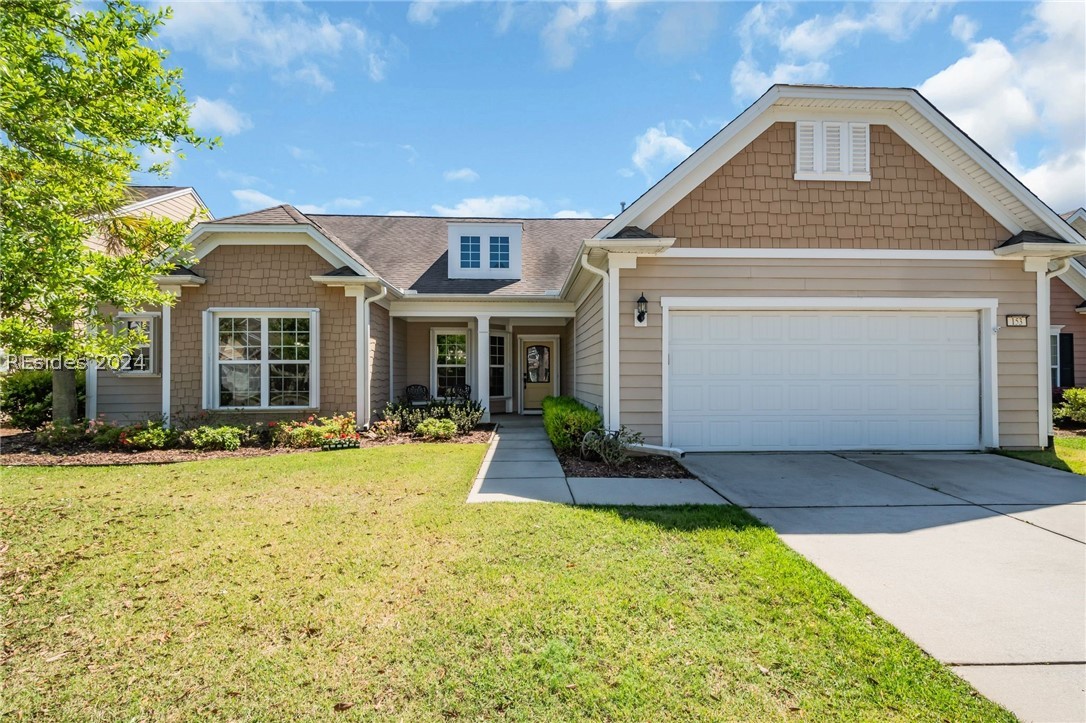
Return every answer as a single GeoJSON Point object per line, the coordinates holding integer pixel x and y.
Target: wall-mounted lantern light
{"type": "Point", "coordinates": [1017, 319]}
{"type": "Point", "coordinates": [641, 314]}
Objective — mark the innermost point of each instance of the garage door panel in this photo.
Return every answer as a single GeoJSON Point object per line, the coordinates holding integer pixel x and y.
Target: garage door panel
{"type": "Point", "coordinates": [824, 380]}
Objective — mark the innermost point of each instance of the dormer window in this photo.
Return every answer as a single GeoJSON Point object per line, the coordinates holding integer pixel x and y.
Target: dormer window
{"type": "Point", "coordinates": [485, 250]}
{"type": "Point", "coordinates": [499, 252]}
{"type": "Point", "coordinates": [833, 151]}
{"type": "Point", "coordinates": [469, 252]}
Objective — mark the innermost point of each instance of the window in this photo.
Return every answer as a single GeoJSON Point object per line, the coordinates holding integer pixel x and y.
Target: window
{"type": "Point", "coordinates": [539, 363]}
{"type": "Point", "coordinates": [497, 366]}
{"type": "Point", "coordinates": [264, 359]}
{"type": "Point", "coordinates": [484, 249]}
{"type": "Point", "coordinates": [450, 362]}
{"type": "Point", "coordinates": [140, 359]}
{"type": "Point", "coordinates": [469, 252]}
{"type": "Point", "coordinates": [1061, 357]}
{"type": "Point", "coordinates": [499, 252]}
{"type": "Point", "coordinates": [1054, 357]}
{"type": "Point", "coordinates": [833, 151]}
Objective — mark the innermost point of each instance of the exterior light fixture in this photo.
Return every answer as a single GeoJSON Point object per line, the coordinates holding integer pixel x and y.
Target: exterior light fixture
{"type": "Point", "coordinates": [1017, 319]}
{"type": "Point", "coordinates": [641, 315]}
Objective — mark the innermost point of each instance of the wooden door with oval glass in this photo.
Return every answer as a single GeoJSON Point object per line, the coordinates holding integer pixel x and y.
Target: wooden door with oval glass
{"type": "Point", "coordinates": [539, 372]}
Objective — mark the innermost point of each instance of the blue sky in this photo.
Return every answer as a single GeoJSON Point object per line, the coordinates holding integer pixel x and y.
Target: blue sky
{"type": "Point", "coordinates": [542, 109]}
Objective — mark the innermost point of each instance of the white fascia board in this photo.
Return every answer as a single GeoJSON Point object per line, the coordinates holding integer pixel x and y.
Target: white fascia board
{"type": "Point", "coordinates": [137, 205]}
{"type": "Point", "coordinates": [878, 303]}
{"type": "Point", "coordinates": [404, 308]}
{"type": "Point", "coordinates": [180, 280]}
{"type": "Point", "coordinates": [207, 237]}
{"type": "Point", "coordinates": [647, 246]}
{"type": "Point", "coordinates": [814, 254]}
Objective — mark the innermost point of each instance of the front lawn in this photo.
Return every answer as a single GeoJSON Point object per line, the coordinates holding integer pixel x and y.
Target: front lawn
{"type": "Point", "coordinates": [358, 584]}
{"type": "Point", "coordinates": [1067, 453]}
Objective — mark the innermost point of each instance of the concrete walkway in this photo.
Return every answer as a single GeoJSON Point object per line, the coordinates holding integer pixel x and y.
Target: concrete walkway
{"type": "Point", "coordinates": [980, 559]}
{"type": "Point", "coordinates": [521, 466]}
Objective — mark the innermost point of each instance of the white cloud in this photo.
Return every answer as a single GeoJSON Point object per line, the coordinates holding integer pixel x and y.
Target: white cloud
{"type": "Point", "coordinates": [412, 154]}
{"type": "Point", "coordinates": [656, 149]}
{"type": "Point", "coordinates": [1032, 97]}
{"type": "Point", "coordinates": [625, 172]}
{"type": "Point", "coordinates": [336, 205]}
{"type": "Point", "coordinates": [300, 154]}
{"type": "Point", "coordinates": [288, 37]}
{"type": "Point", "coordinates": [218, 116]}
{"type": "Point", "coordinates": [492, 207]}
{"type": "Point", "coordinates": [462, 174]}
{"type": "Point", "coordinates": [426, 13]}
{"type": "Point", "coordinates": [566, 33]}
{"type": "Point", "coordinates": [963, 28]}
{"type": "Point", "coordinates": [250, 199]}
{"type": "Point", "coordinates": [800, 51]}
{"type": "Point", "coordinates": [242, 179]}
{"type": "Point", "coordinates": [568, 213]}
{"type": "Point", "coordinates": [684, 28]}
{"type": "Point", "coordinates": [399, 212]}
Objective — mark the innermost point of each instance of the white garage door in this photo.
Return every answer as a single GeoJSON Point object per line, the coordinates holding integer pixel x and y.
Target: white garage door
{"type": "Point", "coordinates": [823, 380]}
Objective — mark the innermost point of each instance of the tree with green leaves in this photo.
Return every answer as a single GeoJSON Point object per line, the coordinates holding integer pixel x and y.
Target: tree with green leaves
{"type": "Point", "coordinates": [85, 96]}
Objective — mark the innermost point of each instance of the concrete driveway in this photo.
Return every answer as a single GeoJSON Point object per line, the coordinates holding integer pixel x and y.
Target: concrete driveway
{"type": "Point", "coordinates": [978, 558]}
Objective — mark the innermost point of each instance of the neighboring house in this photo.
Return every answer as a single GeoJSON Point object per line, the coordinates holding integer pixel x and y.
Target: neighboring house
{"type": "Point", "coordinates": [1068, 319]}
{"type": "Point", "coordinates": [838, 268]}
{"type": "Point", "coordinates": [134, 392]}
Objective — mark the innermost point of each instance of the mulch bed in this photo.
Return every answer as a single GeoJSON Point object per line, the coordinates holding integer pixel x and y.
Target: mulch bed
{"type": "Point", "coordinates": [644, 467]}
{"type": "Point", "coordinates": [19, 449]}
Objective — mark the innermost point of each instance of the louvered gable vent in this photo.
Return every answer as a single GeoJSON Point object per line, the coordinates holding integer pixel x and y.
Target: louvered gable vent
{"type": "Point", "coordinates": [832, 151]}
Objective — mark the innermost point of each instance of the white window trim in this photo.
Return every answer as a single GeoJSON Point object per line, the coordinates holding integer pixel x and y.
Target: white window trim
{"type": "Point", "coordinates": [507, 392]}
{"type": "Point", "coordinates": [988, 328]}
{"type": "Point", "coordinates": [515, 232]}
{"type": "Point", "coordinates": [458, 330]}
{"type": "Point", "coordinates": [152, 328]}
{"type": "Point", "coordinates": [847, 152]}
{"type": "Point", "coordinates": [211, 354]}
{"type": "Point", "coordinates": [1054, 332]}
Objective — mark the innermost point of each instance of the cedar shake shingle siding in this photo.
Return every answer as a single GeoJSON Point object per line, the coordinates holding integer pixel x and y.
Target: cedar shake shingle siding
{"type": "Point", "coordinates": [753, 201]}
{"type": "Point", "coordinates": [265, 277]}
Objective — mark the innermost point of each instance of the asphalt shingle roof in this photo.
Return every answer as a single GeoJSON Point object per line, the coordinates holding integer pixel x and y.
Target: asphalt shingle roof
{"type": "Point", "coordinates": [411, 252]}
{"type": "Point", "coordinates": [137, 194]}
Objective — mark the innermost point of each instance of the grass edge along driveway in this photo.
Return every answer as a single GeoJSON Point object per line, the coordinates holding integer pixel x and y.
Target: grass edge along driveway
{"type": "Point", "coordinates": [358, 585]}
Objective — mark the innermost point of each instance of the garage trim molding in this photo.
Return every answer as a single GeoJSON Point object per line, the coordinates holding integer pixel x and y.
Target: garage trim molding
{"type": "Point", "coordinates": [989, 387]}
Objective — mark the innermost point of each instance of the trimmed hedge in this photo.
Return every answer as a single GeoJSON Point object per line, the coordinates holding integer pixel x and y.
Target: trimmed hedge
{"type": "Point", "coordinates": [567, 421]}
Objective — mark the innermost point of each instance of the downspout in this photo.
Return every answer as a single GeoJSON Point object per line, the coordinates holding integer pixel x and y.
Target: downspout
{"type": "Point", "coordinates": [364, 344]}
{"type": "Point", "coordinates": [1061, 267]}
{"type": "Point", "coordinates": [604, 385]}
{"type": "Point", "coordinates": [673, 452]}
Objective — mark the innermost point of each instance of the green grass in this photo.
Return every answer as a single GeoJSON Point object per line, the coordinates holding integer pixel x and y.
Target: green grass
{"type": "Point", "coordinates": [1068, 454]}
{"type": "Point", "coordinates": [279, 587]}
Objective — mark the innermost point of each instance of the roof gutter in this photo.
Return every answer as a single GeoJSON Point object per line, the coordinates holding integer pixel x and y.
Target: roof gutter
{"type": "Point", "coordinates": [1054, 250]}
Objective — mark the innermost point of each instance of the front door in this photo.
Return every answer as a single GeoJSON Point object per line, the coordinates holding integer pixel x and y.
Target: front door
{"type": "Point", "coordinates": [538, 373]}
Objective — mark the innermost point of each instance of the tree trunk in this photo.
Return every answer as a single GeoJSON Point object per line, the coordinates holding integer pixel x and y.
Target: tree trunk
{"type": "Point", "coordinates": [65, 403]}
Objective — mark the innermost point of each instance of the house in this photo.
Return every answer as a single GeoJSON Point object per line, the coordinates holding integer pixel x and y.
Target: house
{"type": "Point", "coordinates": [838, 268]}
{"type": "Point", "coordinates": [133, 393]}
{"type": "Point", "coordinates": [1068, 319]}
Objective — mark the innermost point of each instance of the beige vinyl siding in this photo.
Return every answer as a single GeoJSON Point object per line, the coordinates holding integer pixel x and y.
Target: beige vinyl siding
{"type": "Point", "coordinates": [378, 358]}
{"type": "Point", "coordinates": [176, 209]}
{"type": "Point", "coordinates": [1064, 301]}
{"type": "Point", "coordinates": [588, 341]}
{"type": "Point", "coordinates": [132, 398]}
{"type": "Point", "coordinates": [567, 360]}
{"type": "Point", "coordinates": [399, 358]}
{"type": "Point", "coordinates": [641, 349]}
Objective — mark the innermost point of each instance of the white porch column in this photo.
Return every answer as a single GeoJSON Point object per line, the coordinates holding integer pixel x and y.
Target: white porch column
{"type": "Point", "coordinates": [167, 353]}
{"type": "Point", "coordinates": [482, 363]}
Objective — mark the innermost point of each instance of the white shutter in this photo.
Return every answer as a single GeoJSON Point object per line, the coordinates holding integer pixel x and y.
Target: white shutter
{"type": "Point", "coordinates": [860, 148]}
{"type": "Point", "coordinates": [833, 144]}
{"type": "Point", "coordinates": [805, 147]}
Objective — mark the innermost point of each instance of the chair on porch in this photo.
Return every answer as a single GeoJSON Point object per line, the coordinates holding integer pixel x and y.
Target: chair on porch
{"type": "Point", "coordinates": [459, 392]}
{"type": "Point", "coordinates": [417, 394]}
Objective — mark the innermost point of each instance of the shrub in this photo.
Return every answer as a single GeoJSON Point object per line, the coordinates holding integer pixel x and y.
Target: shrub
{"type": "Point", "coordinates": [58, 434]}
{"type": "Point", "coordinates": [385, 429]}
{"type": "Point", "coordinates": [464, 413]}
{"type": "Point", "coordinates": [314, 431]}
{"type": "Point", "coordinates": [152, 435]}
{"type": "Point", "coordinates": [567, 421]}
{"type": "Point", "coordinates": [104, 435]}
{"type": "Point", "coordinates": [26, 397]}
{"type": "Point", "coordinates": [436, 428]}
{"type": "Point", "coordinates": [611, 448]}
{"type": "Point", "coordinates": [1073, 408]}
{"type": "Point", "coordinates": [207, 439]}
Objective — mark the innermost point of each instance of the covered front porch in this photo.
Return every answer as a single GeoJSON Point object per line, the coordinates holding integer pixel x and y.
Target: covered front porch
{"type": "Point", "coordinates": [507, 361]}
